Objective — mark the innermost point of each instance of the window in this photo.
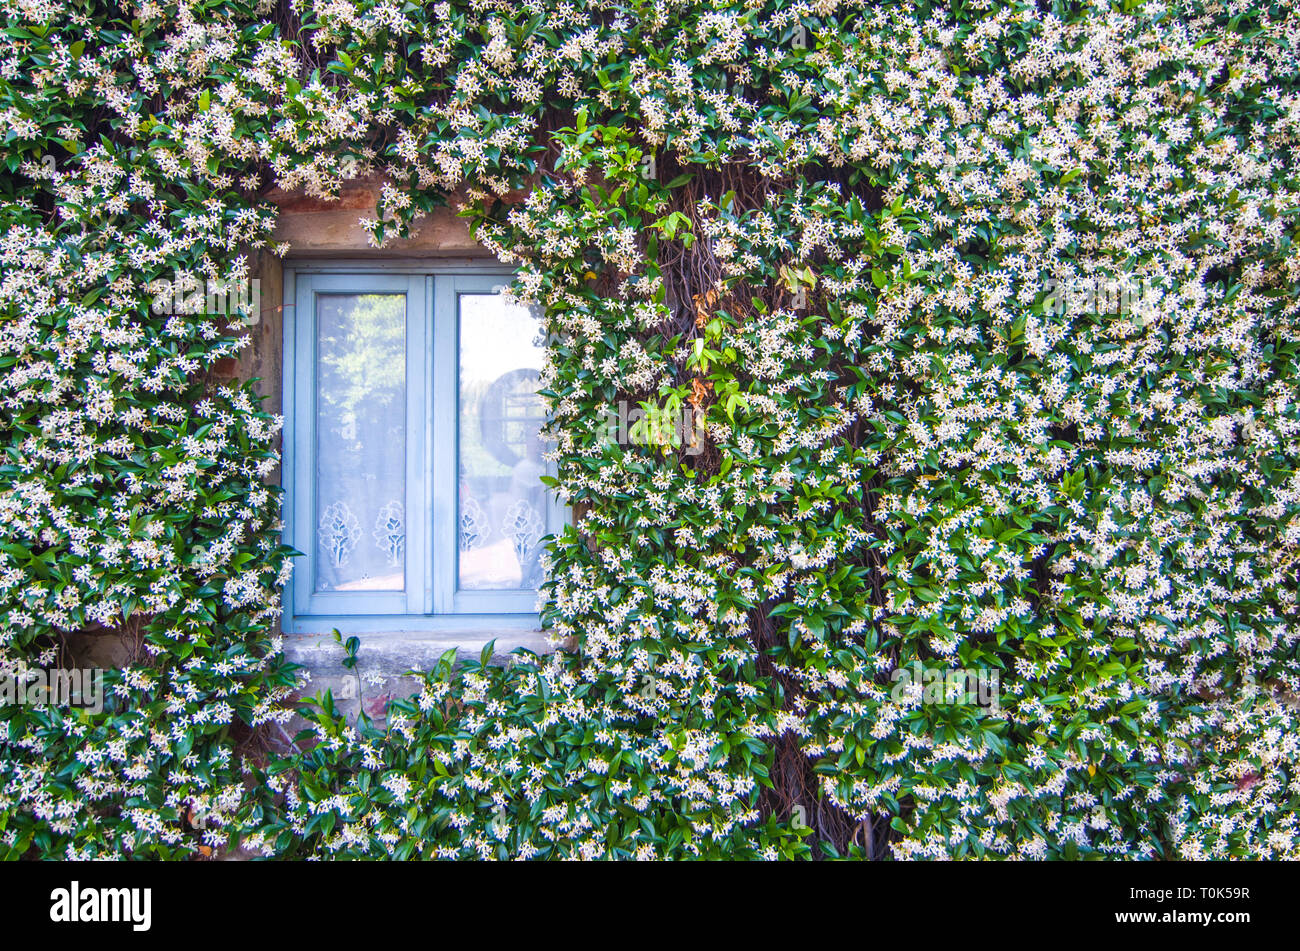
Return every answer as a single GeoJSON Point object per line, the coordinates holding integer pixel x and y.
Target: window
{"type": "Point", "coordinates": [413, 459]}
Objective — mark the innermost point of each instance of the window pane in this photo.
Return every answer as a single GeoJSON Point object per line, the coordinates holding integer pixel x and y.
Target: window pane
{"type": "Point", "coordinates": [502, 515]}
{"type": "Point", "coordinates": [361, 442]}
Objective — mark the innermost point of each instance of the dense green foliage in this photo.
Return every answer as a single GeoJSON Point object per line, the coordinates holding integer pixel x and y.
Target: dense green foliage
{"type": "Point", "coordinates": [988, 312]}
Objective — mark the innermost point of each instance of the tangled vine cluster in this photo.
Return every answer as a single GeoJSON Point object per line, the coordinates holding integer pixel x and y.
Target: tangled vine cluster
{"type": "Point", "coordinates": [987, 313]}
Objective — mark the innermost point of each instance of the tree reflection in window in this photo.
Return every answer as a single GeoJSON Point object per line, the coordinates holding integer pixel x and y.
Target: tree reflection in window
{"type": "Point", "coordinates": [502, 498]}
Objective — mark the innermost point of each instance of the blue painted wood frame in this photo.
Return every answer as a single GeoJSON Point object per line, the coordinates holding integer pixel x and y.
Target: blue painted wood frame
{"type": "Point", "coordinates": [430, 600]}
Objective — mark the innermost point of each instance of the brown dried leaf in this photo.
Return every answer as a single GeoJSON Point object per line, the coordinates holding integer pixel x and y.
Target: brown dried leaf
{"type": "Point", "coordinates": [699, 391]}
{"type": "Point", "coordinates": [704, 305]}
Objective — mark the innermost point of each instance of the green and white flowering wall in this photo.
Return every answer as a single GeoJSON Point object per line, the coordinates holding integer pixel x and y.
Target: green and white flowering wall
{"type": "Point", "coordinates": [987, 313]}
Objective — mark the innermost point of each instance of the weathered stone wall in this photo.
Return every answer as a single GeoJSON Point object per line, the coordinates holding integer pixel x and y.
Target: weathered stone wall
{"type": "Point", "coordinates": [332, 229]}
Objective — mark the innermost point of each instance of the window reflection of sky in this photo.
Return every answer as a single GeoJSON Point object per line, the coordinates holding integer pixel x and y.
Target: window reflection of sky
{"type": "Point", "coordinates": [502, 502]}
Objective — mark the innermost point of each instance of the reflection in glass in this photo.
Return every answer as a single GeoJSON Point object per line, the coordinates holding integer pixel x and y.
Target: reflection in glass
{"type": "Point", "coordinates": [361, 439]}
{"type": "Point", "coordinates": [502, 501]}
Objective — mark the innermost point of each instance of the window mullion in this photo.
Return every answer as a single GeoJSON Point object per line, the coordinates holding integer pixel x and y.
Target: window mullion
{"type": "Point", "coordinates": [424, 530]}
{"type": "Point", "coordinates": [417, 584]}
{"type": "Point", "coordinates": [445, 494]}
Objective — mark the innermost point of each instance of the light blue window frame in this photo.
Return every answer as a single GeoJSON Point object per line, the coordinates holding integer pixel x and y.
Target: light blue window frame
{"type": "Point", "coordinates": [431, 600]}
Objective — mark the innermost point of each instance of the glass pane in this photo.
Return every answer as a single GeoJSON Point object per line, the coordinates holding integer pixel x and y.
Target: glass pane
{"type": "Point", "coordinates": [502, 515]}
{"type": "Point", "coordinates": [360, 442]}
